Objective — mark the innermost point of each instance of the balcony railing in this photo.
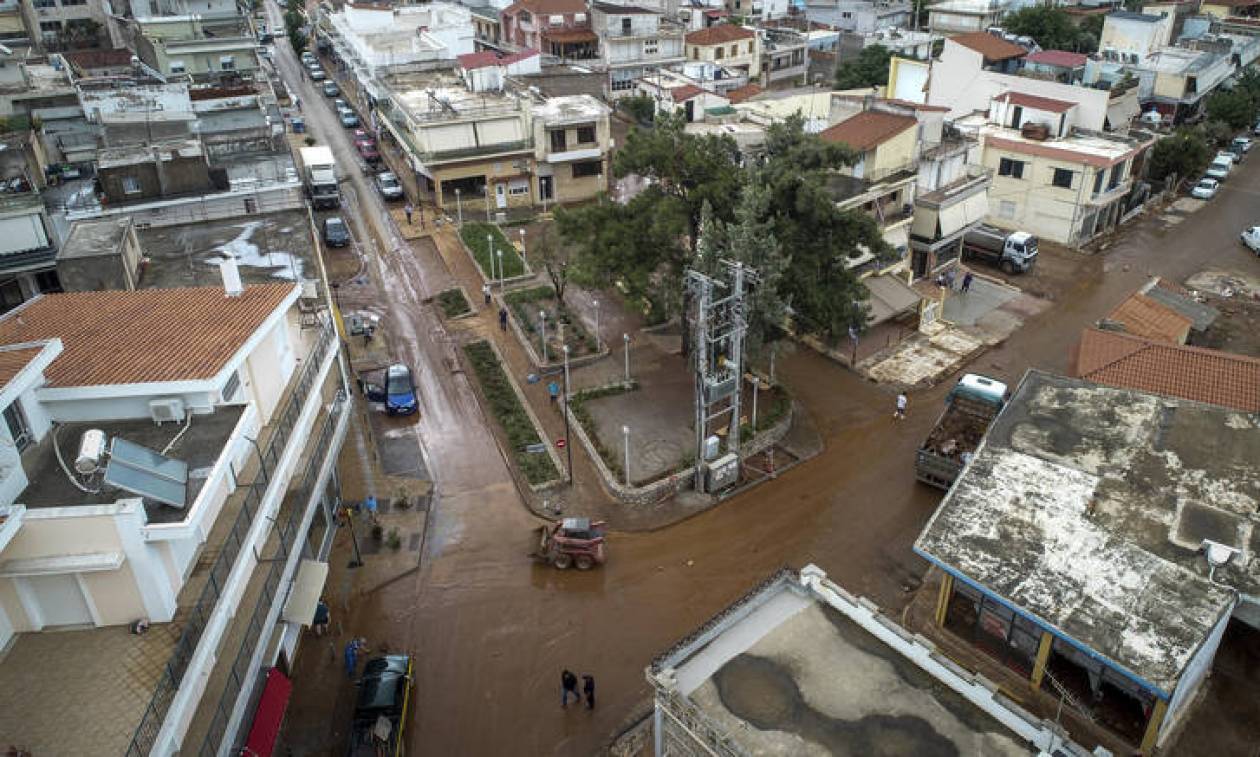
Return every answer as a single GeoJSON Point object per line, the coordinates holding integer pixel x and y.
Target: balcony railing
{"type": "Point", "coordinates": [199, 614]}
{"type": "Point", "coordinates": [287, 531]}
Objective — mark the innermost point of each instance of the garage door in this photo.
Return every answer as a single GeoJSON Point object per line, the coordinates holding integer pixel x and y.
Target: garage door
{"type": "Point", "coordinates": [59, 600]}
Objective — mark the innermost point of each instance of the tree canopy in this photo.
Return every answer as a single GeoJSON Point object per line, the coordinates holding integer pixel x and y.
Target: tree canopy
{"type": "Point", "coordinates": [1183, 153]}
{"type": "Point", "coordinates": [1052, 28]}
{"type": "Point", "coordinates": [868, 69]}
{"type": "Point", "coordinates": [700, 206]}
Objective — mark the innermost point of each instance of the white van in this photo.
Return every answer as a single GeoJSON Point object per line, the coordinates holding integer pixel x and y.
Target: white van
{"type": "Point", "coordinates": [1219, 169]}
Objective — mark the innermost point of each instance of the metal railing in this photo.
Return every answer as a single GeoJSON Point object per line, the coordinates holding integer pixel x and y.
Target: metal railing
{"type": "Point", "coordinates": [172, 675]}
{"type": "Point", "coordinates": [288, 534]}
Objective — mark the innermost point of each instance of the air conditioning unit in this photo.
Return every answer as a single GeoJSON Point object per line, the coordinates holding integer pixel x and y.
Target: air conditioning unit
{"type": "Point", "coordinates": [164, 410]}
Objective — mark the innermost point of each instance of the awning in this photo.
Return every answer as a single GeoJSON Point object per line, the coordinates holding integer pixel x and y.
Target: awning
{"type": "Point", "coordinates": [269, 715]}
{"type": "Point", "coordinates": [570, 36]}
{"type": "Point", "coordinates": [307, 587]}
{"type": "Point", "coordinates": [890, 297]}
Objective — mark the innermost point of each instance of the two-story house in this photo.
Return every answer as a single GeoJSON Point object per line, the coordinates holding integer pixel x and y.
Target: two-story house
{"type": "Point", "coordinates": [185, 45]}
{"type": "Point", "coordinates": [557, 27]}
{"type": "Point", "coordinates": [572, 142]}
{"type": "Point", "coordinates": [633, 42]}
{"type": "Point", "coordinates": [167, 499]}
{"type": "Point", "coordinates": [727, 45]}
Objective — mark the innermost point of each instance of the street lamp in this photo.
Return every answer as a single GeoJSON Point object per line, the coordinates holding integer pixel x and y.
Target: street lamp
{"type": "Point", "coordinates": [501, 275]}
{"type": "Point", "coordinates": [625, 341]}
{"type": "Point", "coordinates": [568, 448]}
{"type": "Point", "coordinates": [625, 442]}
{"type": "Point", "coordinates": [459, 207]}
{"type": "Point", "coordinates": [598, 344]}
{"type": "Point", "coordinates": [490, 247]}
{"type": "Point", "coordinates": [522, 241]}
{"type": "Point", "coordinates": [756, 383]}
{"type": "Point", "coordinates": [542, 331]}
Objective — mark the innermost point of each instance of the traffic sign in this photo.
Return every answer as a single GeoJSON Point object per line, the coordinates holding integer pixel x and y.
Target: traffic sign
{"type": "Point", "coordinates": [560, 443]}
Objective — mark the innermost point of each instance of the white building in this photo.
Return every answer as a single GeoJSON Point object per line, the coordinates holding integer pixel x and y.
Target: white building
{"type": "Point", "coordinates": [204, 526]}
{"type": "Point", "coordinates": [633, 42]}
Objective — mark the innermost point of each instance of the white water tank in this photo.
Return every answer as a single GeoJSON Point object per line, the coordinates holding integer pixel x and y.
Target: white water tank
{"type": "Point", "coordinates": [91, 451]}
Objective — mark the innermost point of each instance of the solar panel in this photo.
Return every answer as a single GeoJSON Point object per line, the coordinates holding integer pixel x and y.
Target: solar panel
{"type": "Point", "coordinates": [149, 474]}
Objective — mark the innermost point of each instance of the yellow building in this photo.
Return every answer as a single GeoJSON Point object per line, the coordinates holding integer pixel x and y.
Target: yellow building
{"type": "Point", "coordinates": [884, 142]}
{"type": "Point", "coordinates": [726, 45]}
{"type": "Point", "coordinates": [1226, 8]}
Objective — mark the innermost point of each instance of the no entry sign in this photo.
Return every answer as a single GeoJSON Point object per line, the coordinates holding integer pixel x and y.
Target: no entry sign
{"type": "Point", "coordinates": [560, 443]}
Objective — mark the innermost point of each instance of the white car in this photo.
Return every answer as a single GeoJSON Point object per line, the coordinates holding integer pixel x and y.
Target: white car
{"type": "Point", "coordinates": [1226, 155]}
{"type": "Point", "coordinates": [1251, 238]}
{"type": "Point", "coordinates": [1205, 189]}
{"type": "Point", "coordinates": [1240, 144]}
{"type": "Point", "coordinates": [1219, 169]}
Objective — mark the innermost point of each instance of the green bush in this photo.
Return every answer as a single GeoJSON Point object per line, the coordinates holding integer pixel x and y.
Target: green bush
{"type": "Point", "coordinates": [453, 303]}
{"type": "Point", "coordinates": [474, 235]}
{"type": "Point", "coordinates": [507, 410]}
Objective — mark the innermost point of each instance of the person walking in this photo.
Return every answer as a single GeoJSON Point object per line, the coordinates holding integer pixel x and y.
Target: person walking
{"type": "Point", "coordinates": [966, 285]}
{"type": "Point", "coordinates": [553, 391]}
{"type": "Point", "coordinates": [485, 292]}
{"type": "Point", "coordinates": [408, 210]}
{"type": "Point", "coordinates": [568, 685]}
{"type": "Point", "coordinates": [502, 318]}
{"type": "Point", "coordinates": [356, 645]}
{"type": "Point", "coordinates": [902, 401]}
{"type": "Point", "coordinates": [320, 623]}
{"type": "Point", "coordinates": [588, 688]}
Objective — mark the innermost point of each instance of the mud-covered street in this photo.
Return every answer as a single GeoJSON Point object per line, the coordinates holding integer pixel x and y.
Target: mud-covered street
{"type": "Point", "coordinates": [492, 631]}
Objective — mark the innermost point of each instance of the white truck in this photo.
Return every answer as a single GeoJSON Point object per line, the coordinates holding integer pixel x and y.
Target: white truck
{"type": "Point", "coordinates": [1012, 251]}
{"type": "Point", "coordinates": [969, 409]}
{"type": "Point", "coordinates": [319, 175]}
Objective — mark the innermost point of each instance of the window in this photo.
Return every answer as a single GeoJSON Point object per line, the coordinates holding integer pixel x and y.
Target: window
{"type": "Point", "coordinates": [625, 27]}
{"type": "Point", "coordinates": [585, 135]}
{"type": "Point", "coordinates": [1117, 173]}
{"type": "Point", "coordinates": [750, 48]}
{"type": "Point", "coordinates": [10, 295]}
{"type": "Point", "coordinates": [1098, 180]}
{"type": "Point", "coordinates": [518, 189]}
{"type": "Point", "coordinates": [1062, 178]}
{"type": "Point", "coordinates": [587, 168]}
{"type": "Point", "coordinates": [846, 14]}
{"type": "Point", "coordinates": [45, 4]}
{"type": "Point", "coordinates": [15, 419]}
{"type": "Point", "coordinates": [1006, 209]}
{"type": "Point", "coordinates": [131, 185]}
{"type": "Point", "coordinates": [67, 3]}
{"type": "Point", "coordinates": [556, 20]}
{"type": "Point", "coordinates": [649, 46]}
{"type": "Point", "coordinates": [48, 282]}
{"type": "Point", "coordinates": [718, 54]}
{"type": "Point", "coordinates": [177, 67]}
{"type": "Point", "coordinates": [1011, 168]}
{"type": "Point", "coordinates": [695, 53]}
{"type": "Point", "coordinates": [53, 27]}
{"type": "Point", "coordinates": [227, 63]}
{"type": "Point", "coordinates": [734, 50]}
{"type": "Point", "coordinates": [524, 16]}
{"type": "Point", "coordinates": [579, 18]}
{"type": "Point", "coordinates": [557, 140]}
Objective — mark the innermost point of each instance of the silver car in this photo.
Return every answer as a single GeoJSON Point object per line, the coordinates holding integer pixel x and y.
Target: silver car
{"type": "Point", "coordinates": [389, 186]}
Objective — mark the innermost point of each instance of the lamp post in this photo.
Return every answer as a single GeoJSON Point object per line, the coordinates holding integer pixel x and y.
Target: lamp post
{"type": "Point", "coordinates": [542, 331]}
{"type": "Point", "coordinates": [459, 207]}
{"type": "Point", "coordinates": [501, 276]}
{"type": "Point", "coordinates": [522, 242]}
{"type": "Point", "coordinates": [625, 442]}
{"type": "Point", "coordinates": [625, 341]}
{"type": "Point", "coordinates": [598, 343]}
{"type": "Point", "coordinates": [756, 383]}
{"type": "Point", "coordinates": [568, 448]}
{"type": "Point", "coordinates": [490, 247]}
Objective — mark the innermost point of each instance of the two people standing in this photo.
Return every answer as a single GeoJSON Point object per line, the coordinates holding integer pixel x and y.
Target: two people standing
{"type": "Point", "coordinates": [568, 685]}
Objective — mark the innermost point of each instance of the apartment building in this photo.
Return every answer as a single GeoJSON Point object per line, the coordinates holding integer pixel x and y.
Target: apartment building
{"type": "Point", "coordinates": [207, 51]}
{"type": "Point", "coordinates": [633, 42]}
{"type": "Point", "coordinates": [726, 45]}
{"type": "Point", "coordinates": [167, 491]}
{"type": "Point", "coordinates": [557, 27]}
{"type": "Point", "coordinates": [572, 141]}
{"type": "Point", "coordinates": [859, 16]}
{"type": "Point", "coordinates": [28, 244]}
{"type": "Point", "coordinates": [70, 24]}
{"type": "Point", "coordinates": [784, 57]}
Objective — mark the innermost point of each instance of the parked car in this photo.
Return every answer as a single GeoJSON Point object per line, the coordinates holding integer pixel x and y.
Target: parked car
{"type": "Point", "coordinates": [317, 73]}
{"type": "Point", "coordinates": [389, 186]}
{"type": "Point", "coordinates": [336, 234]}
{"type": "Point", "coordinates": [1256, 130]}
{"type": "Point", "coordinates": [349, 118]}
{"type": "Point", "coordinates": [367, 150]}
{"type": "Point", "coordinates": [331, 89]}
{"type": "Point", "coordinates": [1225, 155]}
{"type": "Point", "coordinates": [399, 392]}
{"type": "Point", "coordinates": [1251, 238]}
{"type": "Point", "coordinates": [340, 104]}
{"type": "Point", "coordinates": [1240, 146]}
{"type": "Point", "coordinates": [1205, 189]}
{"type": "Point", "coordinates": [308, 57]}
{"type": "Point", "coordinates": [1219, 169]}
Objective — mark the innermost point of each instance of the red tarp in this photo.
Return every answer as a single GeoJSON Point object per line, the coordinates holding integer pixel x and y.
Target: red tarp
{"type": "Point", "coordinates": [269, 715]}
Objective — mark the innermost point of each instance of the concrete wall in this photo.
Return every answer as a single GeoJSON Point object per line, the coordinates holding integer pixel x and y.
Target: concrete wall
{"type": "Point", "coordinates": [102, 272]}
{"type": "Point", "coordinates": [266, 371]}
{"type": "Point", "coordinates": [178, 175]}
{"type": "Point", "coordinates": [1130, 36]}
{"type": "Point", "coordinates": [1192, 678]}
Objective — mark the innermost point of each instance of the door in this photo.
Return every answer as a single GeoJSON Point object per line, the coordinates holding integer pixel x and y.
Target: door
{"type": "Point", "coordinates": [59, 600]}
{"type": "Point", "coordinates": [545, 187]}
{"type": "Point", "coordinates": [500, 196]}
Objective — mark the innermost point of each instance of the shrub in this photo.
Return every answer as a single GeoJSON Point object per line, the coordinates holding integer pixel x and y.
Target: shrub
{"type": "Point", "coordinates": [453, 303]}
{"type": "Point", "coordinates": [507, 410]}
{"type": "Point", "coordinates": [474, 236]}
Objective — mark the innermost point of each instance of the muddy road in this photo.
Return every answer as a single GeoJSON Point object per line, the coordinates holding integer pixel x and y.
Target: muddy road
{"type": "Point", "coordinates": [492, 631]}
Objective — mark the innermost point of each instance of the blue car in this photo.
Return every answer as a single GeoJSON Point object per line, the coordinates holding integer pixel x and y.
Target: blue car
{"type": "Point", "coordinates": [399, 392]}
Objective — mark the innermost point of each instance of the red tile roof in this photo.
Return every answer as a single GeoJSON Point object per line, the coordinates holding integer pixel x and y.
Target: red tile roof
{"type": "Point", "coordinates": [547, 7]}
{"type": "Point", "coordinates": [868, 129]}
{"type": "Point", "coordinates": [1057, 58]}
{"type": "Point", "coordinates": [1142, 316]}
{"type": "Point", "coordinates": [993, 48]}
{"type": "Point", "coordinates": [148, 335]}
{"type": "Point", "coordinates": [1036, 102]}
{"type": "Point", "coordinates": [1192, 373]}
{"type": "Point", "coordinates": [12, 361]}
{"type": "Point", "coordinates": [740, 94]}
{"type": "Point", "coordinates": [720, 34]}
{"type": "Point", "coordinates": [685, 92]}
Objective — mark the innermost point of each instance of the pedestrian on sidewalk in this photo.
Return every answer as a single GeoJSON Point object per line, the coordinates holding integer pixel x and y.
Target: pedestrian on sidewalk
{"type": "Point", "coordinates": [966, 285]}
{"type": "Point", "coordinates": [369, 504]}
{"type": "Point", "coordinates": [356, 645]}
{"type": "Point", "coordinates": [902, 401]}
{"type": "Point", "coordinates": [408, 210]}
{"type": "Point", "coordinates": [588, 687]}
{"type": "Point", "coordinates": [502, 317]}
{"type": "Point", "coordinates": [320, 623]}
{"type": "Point", "coordinates": [553, 390]}
{"type": "Point", "coordinates": [485, 292]}
{"type": "Point", "coordinates": [568, 685]}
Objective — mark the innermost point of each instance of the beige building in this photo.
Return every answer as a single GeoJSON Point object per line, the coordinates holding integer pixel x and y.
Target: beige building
{"type": "Point", "coordinates": [572, 143]}
{"type": "Point", "coordinates": [727, 45]}
{"type": "Point", "coordinates": [182, 45]}
{"type": "Point", "coordinates": [179, 472]}
{"type": "Point", "coordinates": [884, 142]}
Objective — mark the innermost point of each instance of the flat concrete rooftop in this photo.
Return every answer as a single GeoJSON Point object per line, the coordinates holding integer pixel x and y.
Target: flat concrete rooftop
{"type": "Point", "coordinates": [199, 447]}
{"type": "Point", "coordinates": [800, 667]}
{"type": "Point", "coordinates": [1086, 506]}
{"type": "Point", "coordinates": [268, 248]}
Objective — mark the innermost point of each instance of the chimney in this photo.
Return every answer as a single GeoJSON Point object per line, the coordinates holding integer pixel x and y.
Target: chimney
{"type": "Point", "coordinates": [231, 277]}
